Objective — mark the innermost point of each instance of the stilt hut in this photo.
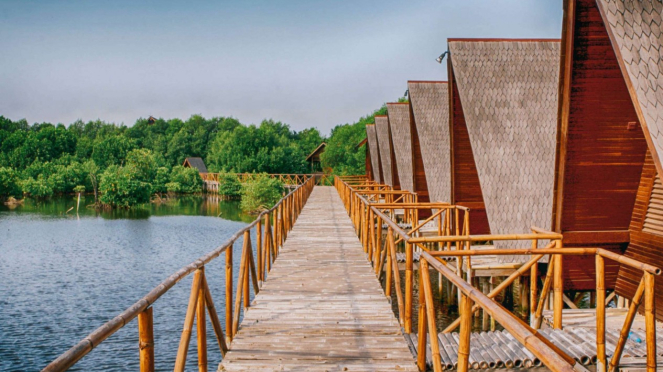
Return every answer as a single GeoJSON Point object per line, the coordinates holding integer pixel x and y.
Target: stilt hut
{"type": "Point", "coordinates": [374, 151]}
{"type": "Point", "coordinates": [401, 138]}
{"type": "Point", "coordinates": [503, 120]}
{"type": "Point", "coordinates": [197, 163]}
{"type": "Point", "coordinates": [429, 111]}
{"type": "Point", "coordinates": [607, 190]}
{"type": "Point", "coordinates": [387, 156]}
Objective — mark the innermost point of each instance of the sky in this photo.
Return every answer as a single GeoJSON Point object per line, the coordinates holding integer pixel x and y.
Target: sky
{"type": "Point", "coordinates": [307, 63]}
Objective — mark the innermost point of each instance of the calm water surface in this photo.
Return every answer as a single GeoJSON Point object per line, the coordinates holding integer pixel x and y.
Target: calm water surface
{"type": "Point", "coordinates": [64, 274]}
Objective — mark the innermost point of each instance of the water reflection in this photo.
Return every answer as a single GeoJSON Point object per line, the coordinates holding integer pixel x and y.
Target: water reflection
{"type": "Point", "coordinates": [194, 205]}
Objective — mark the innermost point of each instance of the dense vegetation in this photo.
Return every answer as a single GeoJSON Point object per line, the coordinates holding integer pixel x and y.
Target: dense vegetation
{"type": "Point", "coordinates": [125, 165]}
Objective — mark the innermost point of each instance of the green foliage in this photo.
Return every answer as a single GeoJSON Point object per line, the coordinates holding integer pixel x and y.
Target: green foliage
{"type": "Point", "coordinates": [79, 189]}
{"type": "Point", "coordinates": [188, 178]}
{"type": "Point", "coordinates": [111, 151]}
{"type": "Point", "coordinates": [229, 186]}
{"type": "Point", "coordinates": [261, 193]}
{"type": "Point", "coordinates": [173, 187]}
{"type": "Point", "coordinates": [341, 154]}
{"type": "Point", "coordinates": [9, 182]}
{"type": "Point", "coordinates": [38, 188]}
{"type": "Point", "coordinates": [120, 187]}
{"type": "Point", "coordinates": [161, 179]}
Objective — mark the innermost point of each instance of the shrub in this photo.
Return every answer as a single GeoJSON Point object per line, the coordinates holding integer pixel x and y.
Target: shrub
{"type": "Point", "coordinates": [173, 187]}
{"type": "Point", "coordinates": [79, 189]}
{"type": "Point", "coordinates": [120, 188]}
{"type": "Point", "coordinates": [229, 186]}
{"type": "Point", "coordinates": [161, 180]}
{"type": "Point", "coordinates": [188, 178]}
{"type": "Point", "coordinates": [38, 188]}
{"type": "Point", "coordinates": [262, 193]}
{"type": "Point", "coordinates": [9, 183]}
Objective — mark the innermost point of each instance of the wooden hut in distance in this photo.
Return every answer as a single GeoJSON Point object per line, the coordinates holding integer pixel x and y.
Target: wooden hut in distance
{"type": "Point", "coordinates": [429, 112]}
{"type": "Point", "coordinates": [374, 151]}
{"type": "Point", "coordinates": [387, 156]}
{"type": "Point", "coordinates": [503, 98]}
{"type": "Point", "coordinates": [400, 127]}
{"type": "Point", "coordinates": [197, 163]}
{"type": "Point", "coordinates": [607, 190]}
{"type": "Point", "coordinates": [314, 158]}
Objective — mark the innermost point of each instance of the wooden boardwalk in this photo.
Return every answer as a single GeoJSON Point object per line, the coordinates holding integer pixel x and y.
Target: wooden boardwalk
{"type": "Point", "coordinates": [321, 308]}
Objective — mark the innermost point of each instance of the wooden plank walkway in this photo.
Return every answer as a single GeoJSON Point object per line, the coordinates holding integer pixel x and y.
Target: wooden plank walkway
{"type": "Point", "coordinates": [321, 308]}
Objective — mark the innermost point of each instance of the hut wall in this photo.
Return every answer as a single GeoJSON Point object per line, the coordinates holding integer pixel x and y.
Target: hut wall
{"type": "Point", "coordinates": [367, 164]}
{"type": "Point", "coordinates": [600, 156]}
{"type": "Point", "coordinates": [420, 180]}
{"type": "Point", "coordinates": [466, 188]}
{"type": "Point", "coordinates": [646, 231]}
{"type": "Point", "coordinates": [399, 123]}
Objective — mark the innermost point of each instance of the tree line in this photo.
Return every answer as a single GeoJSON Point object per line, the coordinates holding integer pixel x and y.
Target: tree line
{"type": "Point", "coordinates": [125, 165]}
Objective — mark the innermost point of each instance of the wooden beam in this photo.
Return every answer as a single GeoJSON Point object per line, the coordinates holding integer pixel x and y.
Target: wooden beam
{"type": "Point", "coordinates": [596, 237]}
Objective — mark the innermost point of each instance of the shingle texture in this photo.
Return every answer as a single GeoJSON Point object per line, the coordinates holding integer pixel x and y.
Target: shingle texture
{"type": "Point", "coordinates": [197, 163]}
{"type": "Point", "coordinates": [636, 26]}
{"type": "Point", "coordinates": [509, 95]}
{"type": "Point", "coordinates": [382, 129]}
{"type": "Point", "coordinates": [430, 107]}
{"type": "Point", "coordinates": [373, 148]}
{"type": "Point", "coordinates": [399, 121]}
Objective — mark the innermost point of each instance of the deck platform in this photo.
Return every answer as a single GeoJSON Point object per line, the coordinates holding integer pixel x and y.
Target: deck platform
{"type": "Point", "coordinates": [321, 308]}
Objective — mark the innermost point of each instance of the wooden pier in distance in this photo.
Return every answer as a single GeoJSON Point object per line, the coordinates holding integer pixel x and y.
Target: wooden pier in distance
{"type": "Point", "coordinates": [321, 308]}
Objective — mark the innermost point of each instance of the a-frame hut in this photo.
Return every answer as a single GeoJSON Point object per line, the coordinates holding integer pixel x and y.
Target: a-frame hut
{"type": "Point", "coordinates": [429, 110]}
{"type": "Point", "coordinates": [374, 151]}
{"type": "Point", "coordinates": [504, 103]}
{"type": "Point", "coordinates": [610, 123]}
{"type": "Point", "coordinates": [194, 162]}
{"type": "Point", "coordinates": [367, 158]}
{"type": "Point", "coordinates": [401, 138]}
{"type": "Point", "coordinates": [387, 156]}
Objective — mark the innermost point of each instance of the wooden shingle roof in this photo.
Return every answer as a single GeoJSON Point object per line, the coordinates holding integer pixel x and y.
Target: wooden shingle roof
{"type": "Point", "coordinates": [509, 94]}
{"type": "Point", "coordinates": [399, 121]}
{"type": "Point", "coordinates": [384, 144]}
{"type": "Point", "coordinates": [197, 163]}
{"type": "Point", "coordinates": [372, 138]}
{"type": "Point", "coordinates": [635, 28]}
{"type": "Point", "coordinates": [430, 108]}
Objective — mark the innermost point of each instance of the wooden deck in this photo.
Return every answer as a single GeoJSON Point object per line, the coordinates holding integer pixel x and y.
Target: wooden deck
{"type": "Point", "coordinates": [321, 308]}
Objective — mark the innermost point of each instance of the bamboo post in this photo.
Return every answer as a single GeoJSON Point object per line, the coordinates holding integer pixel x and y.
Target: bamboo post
{"type": "Point", "coordinates": [146, 340]}
{"type": "Point", "coordinates": [246, 252]}
{"type": "Point", "coordinates": [465, 309]}
{"type": "Point", "coordinates": [422, 327]}
{"type": "Point", "coordinates": [396, 275]}
{"type": "Point", "coordinates": [409, 286]}
{"type": "Point", "coordinates": [387, 291]}
{"type": "Point", "coordinates": [545, 290]}
{"type": "Point", "coordinates": [650, 322]}
{"type": "Point", "coordinates": [558, 304]}
{"type": "Point", "coordinates": [229, 293]}
{"type": "Point", "coordinates": [378, 245]}
{"type": "Point", "coordinates": [371, 234]}
{"type": "Point", "coordinates": [626, 329]}
{"type": "Point", "coordinates": [600, 314]}
{"type": "Point", "coordinates": [240, 291]}
{"type": "Point", "coordinates": [430, 315]}
{"type": "Point", "coordinates": [214, 319]}
{"type": "Point", "coordinates": [533, 277]}
{"type": "Point", "coordinates": [259, 248]}
{"type": "Point", "coordinates": [201, 331]}
{"type": "Point", "coordinates": [183, 348]}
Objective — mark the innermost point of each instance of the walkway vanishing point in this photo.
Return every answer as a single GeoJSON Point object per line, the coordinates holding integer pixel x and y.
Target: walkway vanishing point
{"type": "Point", "coordinates": [322, 308]}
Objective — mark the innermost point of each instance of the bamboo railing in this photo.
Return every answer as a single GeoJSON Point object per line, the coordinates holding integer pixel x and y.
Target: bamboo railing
{"type": "Point", "coordinates": [271, 228]}
{"type": "Point", "coordinates": [289, 179]}
{"type": "Point", "coordinates": [437, 249]}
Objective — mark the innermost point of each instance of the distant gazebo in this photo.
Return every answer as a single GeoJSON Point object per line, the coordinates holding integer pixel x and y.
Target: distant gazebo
{"type": "Point", "coordinates": [197, 163]}
{"type": "Point", "coordinates": [314, 158]}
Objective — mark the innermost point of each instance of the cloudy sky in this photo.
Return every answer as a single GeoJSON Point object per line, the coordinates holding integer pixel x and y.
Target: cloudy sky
{"type": "Point", "coordinates": [304, 62]}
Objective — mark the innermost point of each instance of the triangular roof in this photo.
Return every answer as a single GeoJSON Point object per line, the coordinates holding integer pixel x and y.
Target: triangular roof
{"type": "Point", "coordinates": [635, 30]}
{"type": "Point", "coordinates": [430, 109]}
{"type": "Point", "coordinates": [373, 148]}
{"type": "Point", "coordinates": [197, 163]}
{"type": "Point", "coordinates": [509, 91]}
{"type": "Point", "coordinates": [399, 121]}
{"type": "Point", "coordinates": [318, 150]}
{"type": "Point", "coordinates": [384, 144]}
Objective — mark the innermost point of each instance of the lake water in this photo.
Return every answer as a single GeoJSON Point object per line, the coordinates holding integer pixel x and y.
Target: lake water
{"type": "Point", "coordinates": [62, 275]}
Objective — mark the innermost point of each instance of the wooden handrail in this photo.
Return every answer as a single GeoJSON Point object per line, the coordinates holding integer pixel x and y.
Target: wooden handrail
{"type": "Point", "coordinates": [366, 215]}
{"type": "Point", "coordinates": [83, 347]}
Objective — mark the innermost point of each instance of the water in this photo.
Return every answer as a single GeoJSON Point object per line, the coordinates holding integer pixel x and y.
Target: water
{"type": "Point", "coordinates": [63, 275]}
